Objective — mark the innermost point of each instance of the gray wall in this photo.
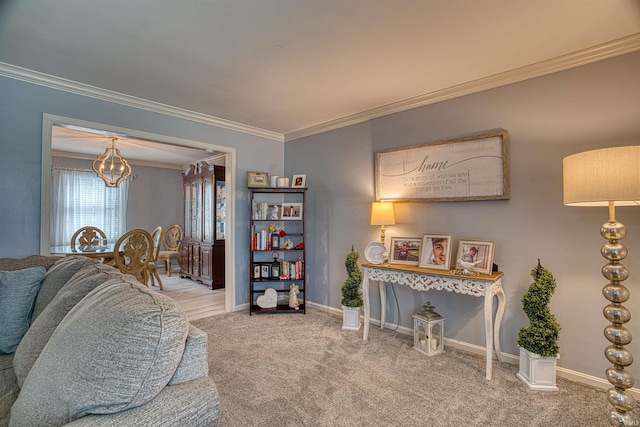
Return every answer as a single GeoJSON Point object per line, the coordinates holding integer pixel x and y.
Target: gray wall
{"type": "Point", "coordinates": [155, 194]}
{"type": "Point", "coordinates": [21, 108]}
{"type": "Point", "coordinates": [548, 118]}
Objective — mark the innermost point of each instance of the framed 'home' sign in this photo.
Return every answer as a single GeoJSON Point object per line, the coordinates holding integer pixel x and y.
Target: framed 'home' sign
{"type": "Point", "coordinates": [470, 168]}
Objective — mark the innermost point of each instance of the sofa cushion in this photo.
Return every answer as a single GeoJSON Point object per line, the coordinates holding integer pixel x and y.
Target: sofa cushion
{"type": "Point", "coordinates": [115, 350]}
{"type": "Point", "coordinates": [8, 387]}
{"type": "Point", "coordinates": [12, 264]}
{"type": "Point", "coordinates": [57, 276]}
{"type": "Point", "coordinates": [18, 290]}
{"type": "Point", "coordinates": [89, 277]}
{"type": "Point", "coordinates": [194, 363]}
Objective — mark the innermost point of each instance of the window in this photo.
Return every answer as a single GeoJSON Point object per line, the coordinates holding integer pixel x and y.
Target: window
{"type": "Point", "coordinates": [79, 199]}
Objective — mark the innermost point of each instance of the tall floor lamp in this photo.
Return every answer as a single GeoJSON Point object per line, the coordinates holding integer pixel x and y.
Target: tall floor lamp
{"type": "Point", "coordinates": [610, 177]}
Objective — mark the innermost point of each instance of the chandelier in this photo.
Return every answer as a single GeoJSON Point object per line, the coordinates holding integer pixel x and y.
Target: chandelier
{"type": "Point", "coordinates": [111, 166]}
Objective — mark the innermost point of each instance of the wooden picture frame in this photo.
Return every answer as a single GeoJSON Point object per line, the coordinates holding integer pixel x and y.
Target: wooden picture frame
{"type": "Point", "coordinates": [479, 253]}
{"type": "Point", "coordinates": [256, 271]}
{"type": "Point", "coordinates": [436, 251]}
{"type": "Point", "coordinates": [405, 250]}
{"type": "Point", "coordinates": [470, 168]}
{"type": "Point", "coordinates": [299, 181]}
{"type": "Point", "coordinates": [291, 211]}
{"type": "Point", "coordinates": [257, 179]}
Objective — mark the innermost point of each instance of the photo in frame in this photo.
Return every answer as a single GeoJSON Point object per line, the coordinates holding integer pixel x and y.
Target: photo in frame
{"type": "Point", "coordinates": [256, 271]}
{"type": "Point", "coordinates": [299, 181]}
{"type": "Point", "coordinates": [265, 271]}
{"type": "Point", "coordinates": [291, 211]}
{"type": "Point", "coordinates": [436, 251]}
{"type": "Point", "coordinates": [475, 255]}
{"type": "Point", "coordinates": [405, 250]}
{"type": "Point", "coordinates": [257, 179]}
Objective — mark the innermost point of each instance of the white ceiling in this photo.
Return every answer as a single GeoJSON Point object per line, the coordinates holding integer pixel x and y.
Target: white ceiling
{"type": "Point", "coordinates": [294, 66]}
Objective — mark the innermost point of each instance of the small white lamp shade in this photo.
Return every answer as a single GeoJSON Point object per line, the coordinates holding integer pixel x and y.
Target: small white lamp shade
{"type": "Point", "coordinates": [382, 213]}
{"type": "Point", "coordinates": [595, 178]}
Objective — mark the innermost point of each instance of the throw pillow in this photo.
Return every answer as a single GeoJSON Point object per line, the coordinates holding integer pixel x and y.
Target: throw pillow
{"type": "Point", "coordinates": [57, 276]}
{"type": "Point", "coordinates": [115, 350]}
{"type": "Point", "coordinates": [18, 290]}
{"type": "Point", "coordinates": [89, 277]}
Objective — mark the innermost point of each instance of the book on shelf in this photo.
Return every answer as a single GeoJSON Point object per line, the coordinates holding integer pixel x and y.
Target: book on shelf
{"type": "Point", "coordinates": [289, 270]}
{"type": "Point", "coordinates": [261, 241]}
{"type": "Point", "coordinates": [260, 210]}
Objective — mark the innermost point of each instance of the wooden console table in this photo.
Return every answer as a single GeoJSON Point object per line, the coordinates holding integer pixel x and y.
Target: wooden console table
{"type": "Point", "coordinates": [423, 279]}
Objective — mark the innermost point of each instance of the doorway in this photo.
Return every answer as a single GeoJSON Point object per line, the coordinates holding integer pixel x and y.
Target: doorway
{"type": "Point", "coordinates": [226, 154]}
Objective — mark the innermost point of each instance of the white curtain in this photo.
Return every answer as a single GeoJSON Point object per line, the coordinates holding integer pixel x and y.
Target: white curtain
{"type": "Point", "coordinates": [79, 199]}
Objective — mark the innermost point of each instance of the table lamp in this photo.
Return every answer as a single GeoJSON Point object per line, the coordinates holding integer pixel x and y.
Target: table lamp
{"type": "Point", "coordinates": [610, 177]}
{"type": "Point", "coordinates": [382, 214]}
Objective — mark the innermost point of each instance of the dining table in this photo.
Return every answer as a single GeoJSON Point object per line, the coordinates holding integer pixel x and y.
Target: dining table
{"type": "Point", "coordinates": [100, 252]}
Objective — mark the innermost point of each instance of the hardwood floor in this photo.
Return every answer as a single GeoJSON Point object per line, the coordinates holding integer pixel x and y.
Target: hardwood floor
{"type": "Point", "coordinates": [196, 299]}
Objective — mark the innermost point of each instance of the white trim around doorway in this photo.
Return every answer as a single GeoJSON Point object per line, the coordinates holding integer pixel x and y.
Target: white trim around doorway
{"type": "Point", "coordinates": [49, 120]}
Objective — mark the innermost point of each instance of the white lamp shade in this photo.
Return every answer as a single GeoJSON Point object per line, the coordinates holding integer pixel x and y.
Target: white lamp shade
{"type": "Point", "coordinates": [595, 178]}
{"type": "Point", "coordinates": [382, 213]}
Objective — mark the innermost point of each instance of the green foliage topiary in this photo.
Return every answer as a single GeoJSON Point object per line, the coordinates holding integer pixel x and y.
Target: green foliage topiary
{"type": "Point", "coordinates": [541, 337]}
{"type": "Point", "coordinates": [351, 296]}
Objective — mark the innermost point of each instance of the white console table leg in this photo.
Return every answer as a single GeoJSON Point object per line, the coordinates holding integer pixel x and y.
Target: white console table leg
{"type": "Point", "coordinates": [383, 303]}
{"type": "Point", "coordinates": [488, 330]}
{"type": "Point", "coordinates": [496, 325]}
{"type": "Point", "coordinates": [367, 304]}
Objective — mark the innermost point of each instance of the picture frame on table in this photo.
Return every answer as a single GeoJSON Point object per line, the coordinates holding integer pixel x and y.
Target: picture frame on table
{"type": "Point", "coordinates": [436, 251]}
{"type": "Point", "coordinates": [257, 179]}
{"type": "Point", "coordinates": [299, 181]}
{"type": "Point", "coordinates": [405, 250]}
{"type": "Point", "coordinates": [291, 211]}
{"type": "Point", "coordinates": [476, 255]}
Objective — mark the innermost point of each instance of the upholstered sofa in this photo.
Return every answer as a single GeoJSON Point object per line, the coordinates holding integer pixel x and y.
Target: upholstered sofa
{"type": "Point", "coordinates": [101, 350]}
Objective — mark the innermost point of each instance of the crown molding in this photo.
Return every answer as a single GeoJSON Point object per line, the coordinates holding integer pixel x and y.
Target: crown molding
{"type": "Point", "coordinates": [572, 60]}
{"type": "Point", "coordinates": [42, 79]}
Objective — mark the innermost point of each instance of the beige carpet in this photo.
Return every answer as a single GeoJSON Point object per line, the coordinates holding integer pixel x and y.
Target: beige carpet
{"type": "Point", "coordinates": [303, 370]}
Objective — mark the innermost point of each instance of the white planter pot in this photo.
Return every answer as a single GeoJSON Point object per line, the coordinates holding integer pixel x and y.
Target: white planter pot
{"type": "Point", "coordinates": [537, 372]}
{"type": "Point", "coordinates": [350, 318]}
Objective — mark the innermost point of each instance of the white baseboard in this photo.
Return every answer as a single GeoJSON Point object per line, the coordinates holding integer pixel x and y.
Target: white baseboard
{"type": "Point", "coordinates": [241, 307]}
{"type": "Point", "coordinates": [514, 359]}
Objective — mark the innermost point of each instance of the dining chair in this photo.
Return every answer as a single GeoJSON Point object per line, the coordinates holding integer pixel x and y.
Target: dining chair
{"type": "Point", "coordinates": [171, 240]}
{"type": "Point", "coordinates": [89, 236]}
{"type": "Point", "coordinates": [153, 263]}
{"type": "Point", "coordinates": [133, 252]}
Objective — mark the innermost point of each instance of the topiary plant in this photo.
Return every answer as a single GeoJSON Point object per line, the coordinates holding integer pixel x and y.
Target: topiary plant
{"type": "Point", "coordinates": [541, 337]}
{"type": "Point", "coordinates": [351, 296]}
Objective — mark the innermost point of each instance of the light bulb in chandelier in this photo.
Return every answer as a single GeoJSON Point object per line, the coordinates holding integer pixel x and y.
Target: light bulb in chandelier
{"type": "Point", "coordinates": [117, 167]}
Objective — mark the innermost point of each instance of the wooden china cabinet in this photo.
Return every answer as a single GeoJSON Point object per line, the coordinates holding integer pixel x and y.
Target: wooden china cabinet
{"type": "Point", "coordinates": [202, 253]}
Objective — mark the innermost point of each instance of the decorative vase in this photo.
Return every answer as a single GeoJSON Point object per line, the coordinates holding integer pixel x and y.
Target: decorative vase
{"type": "Point", "coordinates": [350, 318]}
{"type": "Point", "coordinates": [537, 372]}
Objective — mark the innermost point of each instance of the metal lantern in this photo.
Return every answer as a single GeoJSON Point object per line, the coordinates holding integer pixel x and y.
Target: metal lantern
{"type": "Point", "coordinates": [275, 267]}
{"type": "Point", "coordinates": [428, 331]}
